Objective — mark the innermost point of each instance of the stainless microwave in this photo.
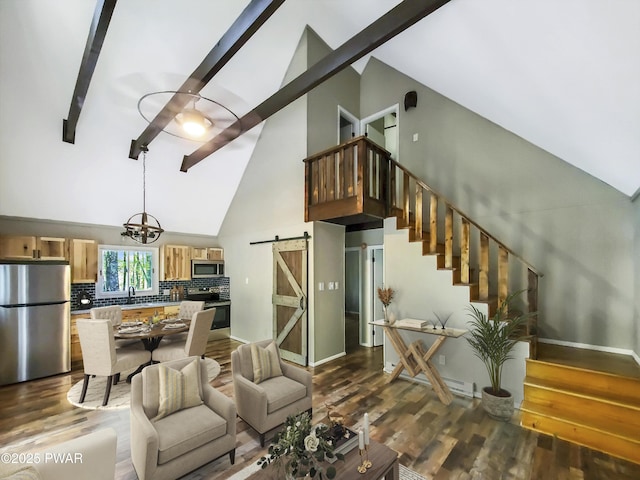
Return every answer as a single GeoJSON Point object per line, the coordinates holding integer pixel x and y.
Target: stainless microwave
{"type": "Point", "coordinates": [207, 268]}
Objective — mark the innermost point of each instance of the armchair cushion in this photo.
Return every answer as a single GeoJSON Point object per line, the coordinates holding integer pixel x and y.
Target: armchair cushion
{"type": "Point", "coordinates": [178, 389]}
{"type": "Point", "coordinates": [266, 362]}
{"type": "Point", "coordinates": [26, 473]}
{"type": "Point", "coordinates": [187, 430]}
{"type": "Point", "coordinates": [282, 391]}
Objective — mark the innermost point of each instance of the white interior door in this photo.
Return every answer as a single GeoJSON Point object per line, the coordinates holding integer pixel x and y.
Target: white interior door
{"type": "Point", "coordinates": [377, 280]}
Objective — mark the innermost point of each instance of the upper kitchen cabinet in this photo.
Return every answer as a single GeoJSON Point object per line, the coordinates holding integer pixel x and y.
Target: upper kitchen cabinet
{"type": "Point", "coordinates": [199, 253]}
{"type": "Point", "coordinates": [175, 262]}
{"type": "Point", "coordinates": [83, 258]}
{"type": "Point", "coordinates": [215, 254]}
{"type": "Point", "coordinates": [207, 253]}
{"type": "Point", "coordinates": [24, 247]}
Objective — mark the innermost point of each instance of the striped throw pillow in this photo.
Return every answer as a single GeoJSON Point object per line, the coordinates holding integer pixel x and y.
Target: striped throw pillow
{"type": "Point", "coordinates": [179, 389]}
{"type": "Point", "coordinates": [266, 363]}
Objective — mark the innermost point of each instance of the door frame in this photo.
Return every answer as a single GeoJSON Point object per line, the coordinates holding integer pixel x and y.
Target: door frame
{"type": "Point", "coordinates": [376, 332]}
{"type": "Point", "coordinates": [375, 116]}
{"type": "Point", "coordinates": [355, 121]}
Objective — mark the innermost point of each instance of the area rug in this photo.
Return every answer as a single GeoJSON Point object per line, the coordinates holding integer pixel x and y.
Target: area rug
{"type": "Point", "coordinates": [405, 473]}
{"type": "Point", "coordinates": [120, 393]}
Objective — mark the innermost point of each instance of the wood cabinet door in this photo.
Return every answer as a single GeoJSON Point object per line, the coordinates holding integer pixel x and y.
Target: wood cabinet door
{"type": "Point", "coordinates": [83, 257]}
{"type": "Point", "coordinates": [176, 262]}
{"type": "Point", "coordinates": [215, 254]}
{"type": "Point", "coordinates": [290, 299]}
{"type": "Point", "coordinates": [52, 248]}
{"type": "Point", "coordinates": [199, 253]}
{"type": "Point", "coordinates": [17, 247]}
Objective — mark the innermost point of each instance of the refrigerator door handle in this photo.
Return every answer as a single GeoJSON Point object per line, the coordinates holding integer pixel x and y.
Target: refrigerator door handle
{"type": "Point", "coordinates": [20, 305]}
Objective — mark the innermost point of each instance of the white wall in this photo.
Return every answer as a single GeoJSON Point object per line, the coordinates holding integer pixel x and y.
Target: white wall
{"type": "Point", "coordinates": [422, 289]}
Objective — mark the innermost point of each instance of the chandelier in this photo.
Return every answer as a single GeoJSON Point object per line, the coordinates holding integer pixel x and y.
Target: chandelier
{"type": "Point", "coordinates": [143, 227]}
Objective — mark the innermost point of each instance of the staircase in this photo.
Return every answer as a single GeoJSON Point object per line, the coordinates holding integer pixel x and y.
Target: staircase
{"type": "Point", "coordinates": [594, 408]}
{"type": "Point", "coordinates": [357, 184]}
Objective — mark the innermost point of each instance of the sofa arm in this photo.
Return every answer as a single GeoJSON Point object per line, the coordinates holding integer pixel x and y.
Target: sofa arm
{"type": "Point", "coordinates": [222, 405]}
{"type": "Point", "coordinates": [89, 456]}
{"type": "Point", "coordinates": [144, 437]}
{"type": "Point", "coordinates": [251, 400]}
{"type": "Point", "coordinates": [298, 374]}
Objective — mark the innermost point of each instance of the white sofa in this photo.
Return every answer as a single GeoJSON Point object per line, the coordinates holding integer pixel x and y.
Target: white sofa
{"type": "Point", "coordinates": [88, 456]}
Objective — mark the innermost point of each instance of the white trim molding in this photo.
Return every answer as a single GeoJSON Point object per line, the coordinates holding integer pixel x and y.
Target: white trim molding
{"type": "Point", "coordinates": [598, 348]}
{"type": "Point", "coordinates": [328, 359]}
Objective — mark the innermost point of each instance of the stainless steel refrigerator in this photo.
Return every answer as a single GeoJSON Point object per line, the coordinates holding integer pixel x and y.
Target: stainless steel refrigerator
{"type": "Point", "coordinates": [34, 320]}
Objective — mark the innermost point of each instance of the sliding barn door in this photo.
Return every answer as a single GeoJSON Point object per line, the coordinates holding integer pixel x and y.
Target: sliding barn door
{"type": "Point", "coordinates": [290, 299]}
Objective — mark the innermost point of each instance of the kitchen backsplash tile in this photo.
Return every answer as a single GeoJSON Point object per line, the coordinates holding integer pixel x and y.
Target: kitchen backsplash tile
{"type": "Point", "coordinates": [221, 282]}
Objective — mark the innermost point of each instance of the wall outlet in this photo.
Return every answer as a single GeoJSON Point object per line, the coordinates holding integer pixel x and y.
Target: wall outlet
{"type": "Point", "coordinates": [321, 286]}
{"type": "Point", "coordinates": [415, 137]}
{"type": "Point", "coordinates": [330, 285]}
{"type": "Point", "coordinates": [336, 285]}
{"type": "Point", "coordinates": [441, 360]}
{"type": "Point", "coordinates": [166, 291]}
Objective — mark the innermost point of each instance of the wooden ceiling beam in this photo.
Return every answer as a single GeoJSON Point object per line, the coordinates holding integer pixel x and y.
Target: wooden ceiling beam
{"type": "Point", "coordinates": [242, 29]}
{"type": "Point", "coordinates": [385, 28]}
{"type": "Point", "coordinates": [97, 32]}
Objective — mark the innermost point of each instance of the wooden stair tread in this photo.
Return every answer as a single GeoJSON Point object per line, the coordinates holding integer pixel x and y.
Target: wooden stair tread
{"type": "Point", "coordinates": [629, 402]}
{"type": "Point", "coordinates": [621, 431]}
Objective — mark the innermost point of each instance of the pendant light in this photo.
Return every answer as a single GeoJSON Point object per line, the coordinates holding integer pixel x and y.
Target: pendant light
{"type": "Point", "coordinates": [143, 227]}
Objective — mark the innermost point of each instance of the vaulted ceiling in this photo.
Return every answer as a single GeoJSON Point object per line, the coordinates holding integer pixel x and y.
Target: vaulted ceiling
{"type": "Point", "coordinates": [563, 75]}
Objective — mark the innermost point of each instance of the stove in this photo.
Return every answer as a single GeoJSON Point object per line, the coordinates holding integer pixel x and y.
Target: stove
{"type": "Point", "coordinates": [208, 294]}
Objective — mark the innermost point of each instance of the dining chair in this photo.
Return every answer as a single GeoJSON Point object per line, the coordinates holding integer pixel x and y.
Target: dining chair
{"type": "Point", "coordinates": [196, 343]}
{"type": "Point", "coordinates": [113, 313]}
{"type": "Point", "coordinates": [100, 356]}
{"type": "Point", "coordinates": [187, 309]}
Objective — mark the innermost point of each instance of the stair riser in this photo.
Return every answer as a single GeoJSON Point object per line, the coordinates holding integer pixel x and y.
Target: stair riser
{"type": "Point", "coordinates": [567, 405]}
{"type": "Point", "coordinates": [610, 444]}
{"type": "Point", "coordinates": [586, 381]}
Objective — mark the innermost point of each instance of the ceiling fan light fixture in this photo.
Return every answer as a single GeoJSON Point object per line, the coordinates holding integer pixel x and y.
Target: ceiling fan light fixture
{"type": "Point", "coordinates": [193, 122]}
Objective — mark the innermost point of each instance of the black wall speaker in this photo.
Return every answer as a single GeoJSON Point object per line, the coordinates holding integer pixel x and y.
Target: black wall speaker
{"type": "Point", "coordinates": [410, 100]}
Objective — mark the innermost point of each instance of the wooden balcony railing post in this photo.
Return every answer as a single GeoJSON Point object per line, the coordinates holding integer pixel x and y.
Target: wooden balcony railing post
{"type": "Point", "coordinates": [405, 199]}
{"type": "Point", "coordinates": [483, 286]}
{"type": "Point", "coordinates": [418, 225]}
{"type": "Point", "coordinates": [465, 241]}
{"type": "Point", "coordinates": [392, 185]}
{"type": "Point", "coordinates": [503, 275]}
{"type": "Point", "coordinates": [532, 300]}
{"type": "Point", "coordinates": [349, 172]}
{"type": "Point", "coordinates": [448, 238]}
{"type": "Point", "coordinates": [307, 184]}
{"type": "Point", "coordinates": [363, 173]}
{"type": "Point", "coordinates": [433, 223]}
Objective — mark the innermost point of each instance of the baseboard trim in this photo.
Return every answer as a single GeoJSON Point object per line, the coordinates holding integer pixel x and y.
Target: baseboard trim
{"type": "Point", "coordinates": [238, 339]}
{"type": "Point", "coordinates": [328, 359]}
{"type": "Point", "coordinates": [598, 348]}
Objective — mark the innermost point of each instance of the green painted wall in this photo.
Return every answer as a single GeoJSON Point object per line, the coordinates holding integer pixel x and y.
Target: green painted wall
{"type": "Point", "coordinates": [576, 230]}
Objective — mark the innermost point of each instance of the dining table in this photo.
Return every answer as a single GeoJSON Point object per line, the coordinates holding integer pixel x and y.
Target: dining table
{"type": "Point", "coordinates": [150, 334]}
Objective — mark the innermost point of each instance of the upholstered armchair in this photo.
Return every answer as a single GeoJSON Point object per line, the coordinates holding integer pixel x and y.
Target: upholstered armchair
{"type": "Point", "coordinates": [269, 390]}
{"type": "Point", "coordinates": [176, 429]}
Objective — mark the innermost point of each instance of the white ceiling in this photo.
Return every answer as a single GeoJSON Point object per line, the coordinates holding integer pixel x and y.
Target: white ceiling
{"type": "Point", "coordinates": [564, 75]}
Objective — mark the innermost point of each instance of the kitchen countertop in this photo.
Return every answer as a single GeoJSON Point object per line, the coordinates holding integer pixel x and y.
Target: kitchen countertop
{"type": "Point", "coordinates": [132, 306]}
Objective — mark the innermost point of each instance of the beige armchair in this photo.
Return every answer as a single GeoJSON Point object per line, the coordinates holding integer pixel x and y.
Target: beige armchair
{"type": "Point", "coordinates": [170, 447]}
{"type": "Point", "coordinates": [100, 357]}
{"type": "Point", "coordinates": [267, 404]}
{"type": "Point", "coordinates": [196, 343]}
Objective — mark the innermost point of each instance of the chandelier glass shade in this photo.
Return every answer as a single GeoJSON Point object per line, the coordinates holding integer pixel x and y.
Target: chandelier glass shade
{"type": "Point", "coordinates": [143, 227]}
{"type": "Point", "coordinates": [195, 121]}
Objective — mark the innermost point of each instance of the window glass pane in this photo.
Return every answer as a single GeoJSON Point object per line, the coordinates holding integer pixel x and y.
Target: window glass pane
{"type": "Point", "coordinates": [121, 268]}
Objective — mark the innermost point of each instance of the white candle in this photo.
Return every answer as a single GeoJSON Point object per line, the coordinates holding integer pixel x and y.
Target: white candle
{"type": "Point", "coordinates": [361, 440]}
{"type": "Point", "coordinates": [366, 429]}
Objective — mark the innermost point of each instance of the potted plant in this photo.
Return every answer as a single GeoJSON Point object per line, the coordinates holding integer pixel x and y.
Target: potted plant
{"type": "Point", "coordinates": [492, 340]}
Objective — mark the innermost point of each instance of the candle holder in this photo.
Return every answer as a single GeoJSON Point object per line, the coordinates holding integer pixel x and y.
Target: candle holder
{"type": "Point", "coordinates": [361, 467]}
{"type": "Point", "coordinates": [367, 463]}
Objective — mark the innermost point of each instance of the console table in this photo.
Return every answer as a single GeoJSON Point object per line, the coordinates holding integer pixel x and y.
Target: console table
{"type": "Point", "coordinates": [415, 360]}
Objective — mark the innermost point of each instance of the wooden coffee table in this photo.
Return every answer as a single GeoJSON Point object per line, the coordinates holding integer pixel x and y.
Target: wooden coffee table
{"type": "Point", "coordinates": [385, 465]}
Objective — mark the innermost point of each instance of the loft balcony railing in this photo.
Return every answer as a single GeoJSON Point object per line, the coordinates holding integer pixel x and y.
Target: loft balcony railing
{"type": "Point", "coordinates": [358, 183]}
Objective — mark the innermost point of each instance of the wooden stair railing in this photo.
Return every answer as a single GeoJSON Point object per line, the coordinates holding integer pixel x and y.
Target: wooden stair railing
{"type": "Point", "coordinates": [359, 178]}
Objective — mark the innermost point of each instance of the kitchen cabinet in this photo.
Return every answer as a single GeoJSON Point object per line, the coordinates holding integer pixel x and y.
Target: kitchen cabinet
{"type": "Point", "coordinates": [215, 253]}
{"type": "Point", "coordinates": [207, 253]}
{"type": "Point", "coordinates": [25, 247]}
{"type": "Point", "coordinates": [140, 314]}
{"type": "Point", "coordinates": [175, 262]}
{"type": "Point", "coordinates": [76, 351]}
{"type": "Point", "coordinates": [83, 258]}
{"type": "Point", "coordinates": [171, 311]}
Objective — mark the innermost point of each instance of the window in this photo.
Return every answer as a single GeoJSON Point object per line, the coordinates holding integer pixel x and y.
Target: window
{"type": "Point", "coordinates": [124, 267]}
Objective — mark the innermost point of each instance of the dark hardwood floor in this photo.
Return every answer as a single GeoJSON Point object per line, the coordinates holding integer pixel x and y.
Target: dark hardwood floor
{"type": "Point", "coordinates": [441, 442]}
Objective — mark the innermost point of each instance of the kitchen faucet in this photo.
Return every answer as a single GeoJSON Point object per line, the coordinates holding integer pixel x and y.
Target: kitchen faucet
{"type": "Point", "coordinates": [132, 292]}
